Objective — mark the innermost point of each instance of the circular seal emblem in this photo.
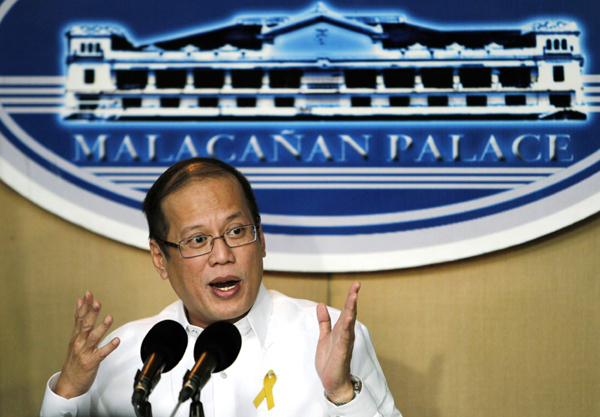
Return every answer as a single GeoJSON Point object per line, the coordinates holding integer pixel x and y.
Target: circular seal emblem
{"type": "Point", "coordinates": [372, 140]}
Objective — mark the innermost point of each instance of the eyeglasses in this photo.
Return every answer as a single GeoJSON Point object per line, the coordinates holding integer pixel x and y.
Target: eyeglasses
{"type": "Point", "coordinates": [203, 244]}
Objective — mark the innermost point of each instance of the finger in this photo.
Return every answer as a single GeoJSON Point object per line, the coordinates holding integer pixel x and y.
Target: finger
{"type": "Point", "coordinates": [324, 320]}
{"type": "Point", "coordinates": [77, 320]}
{"type": "Point", "coordinates": [89, 321]}
{"type": "Point", "coordinates": [107, 349]}
{"type": "Point", "coordinates": [83, 306]}
{"type": "Point", "coordinates": [352, 299]}
{"type": "Point", "coordinates": [350, 306]}
{"type": "Point", "coordinates": [98, 333]}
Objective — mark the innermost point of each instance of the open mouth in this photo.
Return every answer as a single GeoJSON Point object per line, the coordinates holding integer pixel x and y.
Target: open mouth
{"type": "Point", "coordinates": [225, 285]}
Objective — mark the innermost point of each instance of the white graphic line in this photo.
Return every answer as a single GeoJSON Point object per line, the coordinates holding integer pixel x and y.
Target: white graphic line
{"type": "Point", "coordinates": [333, 178]}
{"type": "Point", "coordinates": [33, 100]}
{"type": "Point", "coordinates": [33, 80]}
{"type": "Point", "coordinates": [33, 110]}
{"type": "Point", "coordinates": [126, 170]}
{"type": "Point", "coordinates": [591, 78]}
{"type": "Point", "coordinates": [406, 179]}
{"type": "Point", "coordinates": [32, 91]}
{"type": "Point", "coordinates": [331, 171]}
{"type": "Point", "coordinates": [407, 186]}
{"type": "Point", "coordinates": [363, 170]}
{"type": "Point", "coordinates": [380, 186]}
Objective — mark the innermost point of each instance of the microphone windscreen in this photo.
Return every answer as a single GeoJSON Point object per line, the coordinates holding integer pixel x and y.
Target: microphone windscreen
{"type": "Point", "coordinates": [168, 338]}
{"type": "Point", "coordinates": [223, 340]}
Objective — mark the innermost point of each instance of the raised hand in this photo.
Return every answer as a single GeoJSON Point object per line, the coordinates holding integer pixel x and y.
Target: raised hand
{"type": "Point", "coordinates": [334, 350]}
{"type": "Point", "coordinates": [83, 357]}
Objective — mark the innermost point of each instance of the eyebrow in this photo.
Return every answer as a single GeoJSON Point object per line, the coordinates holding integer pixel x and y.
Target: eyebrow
{"type": "Point", "coordinates": [199, 226]}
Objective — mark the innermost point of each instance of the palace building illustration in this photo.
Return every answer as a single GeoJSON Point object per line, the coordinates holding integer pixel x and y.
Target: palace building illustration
{"type": "Point", "coordinates": [321, 65]}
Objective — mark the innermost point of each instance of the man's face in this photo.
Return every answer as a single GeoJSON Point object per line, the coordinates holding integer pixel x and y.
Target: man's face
{"type": "Point", "coordinates": [223, 284]}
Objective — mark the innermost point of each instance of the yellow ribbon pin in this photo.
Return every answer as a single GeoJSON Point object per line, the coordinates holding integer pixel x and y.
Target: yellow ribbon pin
{"type": "Point", "coordinates": [267, 391]}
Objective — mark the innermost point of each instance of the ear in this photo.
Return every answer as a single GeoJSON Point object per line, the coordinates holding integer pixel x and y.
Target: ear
{"type": "Point", "coordinates": [159, 259]}
{"type": "Point", "coordinates": [263, 245]}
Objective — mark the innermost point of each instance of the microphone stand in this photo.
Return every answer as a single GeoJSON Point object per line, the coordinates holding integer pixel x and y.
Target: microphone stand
{"type": "Point", "coordinates": [196, 409]}
{"type": "Point", "coordinates": [144, 409]}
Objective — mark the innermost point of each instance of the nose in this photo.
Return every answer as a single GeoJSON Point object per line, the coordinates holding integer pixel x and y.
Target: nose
{"type": "Point", "coordinates": [221, 253]}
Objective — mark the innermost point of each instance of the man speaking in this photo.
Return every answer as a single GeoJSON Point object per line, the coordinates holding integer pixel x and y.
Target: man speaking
{"type": "Point", "coordinates": [206, 239]}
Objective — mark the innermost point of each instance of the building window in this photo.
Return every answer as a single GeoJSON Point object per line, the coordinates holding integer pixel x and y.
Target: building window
{"type": "Point", "coordinates": [285, 78]}
{"type": "Point", "coordinates": [476, 101]}
{"type": "Point", "coordinates": [548, 44]}
{"type": "Point", "coordinates": [246, 79]}
{"type": "Point", "coordinates": [475, 77]}
{"type": "Point", "coordinates": [399, 101]}
{"type": "Point", "coordinates": [563, 44]}
{"type": "Point", "coordinates": [171, 102]}
{"type": "Point", "coordinates": [515, 77]}
{"type": "Point", "coordinates": [132, 102]}
{"type": "Point", "coordinates": [91, 47]}
{"type": "Point", "coordinates": [208, 102]}
{"type": "Point", "coordinates": [558, 73]}
{"type": "Point", "coordinates": [89, 76]}
{"type": "Point", "coordinates": [171, 78]}
{"type": "Point", "coordinates": [131, 79]}
{"type": "Point", "coordinates": [82, 47]}
{"type": "Point", "coordinates": [208, 78]}
{"type": "Point", "coordinates": [516, 100]}
{"type": "Point", "coordinates": [437, 77]}
{"type": "Point", "coordinates": [88, 101]}
{"type": "Point", "coordinates": [399, 78]}
{"type": "Point", "coordinates": [98, 48]}
{"type": "Point", "coordinates": [361, 101]}
{"type": "Point", "coordinates": [284, 101]}
{"type": "Point", "coordinates": [437, 101]}
{"type": "Point", "coordinates": [360, 78]}
{"type": "Point", "coordinates": [246, 101]}
{"type": "Point", "coordinates": [560, 100]}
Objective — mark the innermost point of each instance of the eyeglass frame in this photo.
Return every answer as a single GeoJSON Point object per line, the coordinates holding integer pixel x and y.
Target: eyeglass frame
{"type": "Point", "coordinates": [212, 243]}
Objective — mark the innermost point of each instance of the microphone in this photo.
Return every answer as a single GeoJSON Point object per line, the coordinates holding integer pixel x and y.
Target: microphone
{"type": "Point", "coordinates": [216, 349]}
{"type": "Point", "coordinates": [162, 349]}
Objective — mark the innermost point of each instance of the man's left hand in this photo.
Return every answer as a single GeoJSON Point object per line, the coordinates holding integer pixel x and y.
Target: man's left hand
{"type": "Point", "coordinates": [334, 350]}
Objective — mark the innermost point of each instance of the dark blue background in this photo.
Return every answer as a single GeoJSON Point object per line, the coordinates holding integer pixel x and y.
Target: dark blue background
{"type": "Point", "coordinates": [32, 42]}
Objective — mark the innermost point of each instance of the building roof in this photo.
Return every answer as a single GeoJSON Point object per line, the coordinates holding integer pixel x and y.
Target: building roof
{"type": "Point", "coordinates": [251, 33]}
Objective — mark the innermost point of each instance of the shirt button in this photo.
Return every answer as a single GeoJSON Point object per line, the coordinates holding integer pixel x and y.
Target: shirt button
{"type": "Point", "coordinates": [223, 375]}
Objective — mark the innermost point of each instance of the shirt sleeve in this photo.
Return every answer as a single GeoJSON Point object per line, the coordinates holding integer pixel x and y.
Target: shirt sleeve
{"type": "Point", "coordinates": [56, 406]}
{"type": "Point", "coordinates": [375, 398]}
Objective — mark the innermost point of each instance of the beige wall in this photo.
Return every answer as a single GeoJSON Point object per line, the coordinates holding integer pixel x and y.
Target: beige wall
{"type": "Point", "coordinates": [514, 333]}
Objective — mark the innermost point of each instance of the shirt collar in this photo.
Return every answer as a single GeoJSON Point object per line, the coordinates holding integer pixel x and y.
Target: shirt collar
{"type": "Point", "coordinates": [257, 319]}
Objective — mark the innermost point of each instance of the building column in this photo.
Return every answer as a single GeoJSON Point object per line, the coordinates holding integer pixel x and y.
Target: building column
{"type": "Point", "coordinates": [189, 80]}
{"type": "Point", "coordinates": [227, 81]}
{"type": "Point", "coordinates": [266, 80]}
{"type": "Point", "coordinates": [379, 84]}
{"type": "Point", "coordinates": [418, 84]}
{"type": "Point", "coordinates": [496, 79]}
{"type": "Point", "coordinates": [456, 84]}
{"type": "Point", "coordinates": [113, 78]}
{"type": "Point", "coordinates": [151, 80]}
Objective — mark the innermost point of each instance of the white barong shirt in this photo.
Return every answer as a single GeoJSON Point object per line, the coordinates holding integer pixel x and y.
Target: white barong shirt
{"type": "Point", "coordinates": [279, 333]}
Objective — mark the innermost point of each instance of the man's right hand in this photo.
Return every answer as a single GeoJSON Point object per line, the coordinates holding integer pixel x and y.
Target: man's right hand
{"type": "Point", "coordinates": [84, 357]}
